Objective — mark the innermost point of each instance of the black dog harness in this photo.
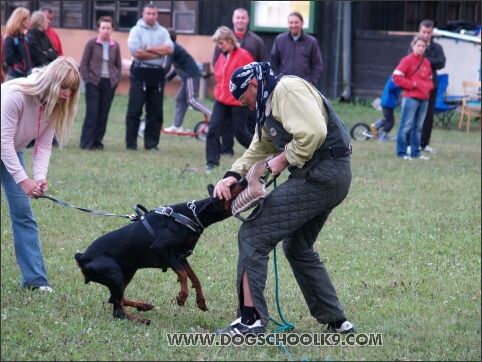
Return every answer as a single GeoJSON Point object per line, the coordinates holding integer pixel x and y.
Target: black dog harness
{"type": "Point", "coordinates": [168, 211]}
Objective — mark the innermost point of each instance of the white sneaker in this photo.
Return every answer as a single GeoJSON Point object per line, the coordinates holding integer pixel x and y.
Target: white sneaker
{"type": "Point", "coordinates": [45, 288]}
{"type": "Point", "coordinates": [407, 157]}
{"type": "Point", "coordinates": [239, 328]}
{"type": "Point", "coordinates": [428, 149]}
{"type": "Point", "coordinates": [422, 157]}
{"type": "Point", "coordinates": [345, 328]}
{"type": "Point", "coordinates": [173, 129]}
{"type": "Point", "coordinates": [142, 127]}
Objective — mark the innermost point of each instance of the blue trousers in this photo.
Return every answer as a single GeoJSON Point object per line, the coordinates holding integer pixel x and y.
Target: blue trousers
{"type": "Point", "coordinates": [411, 123]}
{"type": "Point", "coordinates": [26, 237]}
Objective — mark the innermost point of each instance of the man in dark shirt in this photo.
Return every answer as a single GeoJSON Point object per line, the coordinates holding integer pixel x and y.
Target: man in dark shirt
{"type": "Point", "coordinates": [297, 53]}
{"type": "Point", "coordinates": [435, 55]}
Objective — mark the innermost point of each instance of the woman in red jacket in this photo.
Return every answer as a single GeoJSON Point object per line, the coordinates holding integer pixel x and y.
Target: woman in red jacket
{"type": "Point", "coordinates": [414, 75]}
{"type": "Point", "coordinates": [226, 108]}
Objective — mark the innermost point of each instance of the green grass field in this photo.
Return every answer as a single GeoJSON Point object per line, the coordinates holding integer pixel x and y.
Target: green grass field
{"type": "Point", "coordinates": [403, 251]}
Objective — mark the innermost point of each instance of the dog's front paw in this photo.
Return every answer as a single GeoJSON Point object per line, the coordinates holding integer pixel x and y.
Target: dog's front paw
{"type": "Point", "coordinates": [181, 299]}
{"type": "Point", "coordinates": [201, 304]}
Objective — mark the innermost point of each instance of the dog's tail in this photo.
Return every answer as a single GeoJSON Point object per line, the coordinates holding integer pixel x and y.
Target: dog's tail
{"type": "Point", "coordinates": [77, 257]}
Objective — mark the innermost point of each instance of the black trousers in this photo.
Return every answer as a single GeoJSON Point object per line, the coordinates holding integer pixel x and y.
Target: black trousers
{"type": "Point", "coordinates": [227, 139]}
{"type": "Point", "coordinates": [294, 213]}
{"type": "Point", "coordinates": [98, 100]}
{"type": "Point", "coordinates": [235, 115]}
{"type": "Point", "coordinates": [152, 98]}
{"type": "Point", "coordinates": [428, 122]}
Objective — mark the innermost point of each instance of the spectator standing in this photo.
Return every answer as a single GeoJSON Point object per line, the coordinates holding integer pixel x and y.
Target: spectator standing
{"type": "Point", "coordinates": [148, 43]}
{"type": "Point", "coordinates": [42, 51]}
{"type": "Point", "coordinates": [414, 75]}
{"type": "Point", "coordinates": [297, 125]}
{"type": "Point", "coordinates": [435, 55]}
{"type": "Point", "coordinates": [226, 108]}
{"type": "Point", "coordinates": [187, 69]}
{"type": "Point", "coordinates": [297, 53]}
{"type": "Point", "coordinates": [51, 33]}
{"type": "Point", "coordinates": [246, 38]}
{"type": "Point", "coordinates": [255, 45]}
{"type": "Point", "coordinates": [389, 102]}
{"type": "Point", "coordinates": [38, 106]}
{"type": "Point", "coordinates": [100, 68]}
{"type": "Point", "coordinates": [17, 51]}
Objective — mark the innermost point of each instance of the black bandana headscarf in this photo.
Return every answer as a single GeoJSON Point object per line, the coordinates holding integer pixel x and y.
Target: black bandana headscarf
{"type": "Point", "coordinates": [266, 83]}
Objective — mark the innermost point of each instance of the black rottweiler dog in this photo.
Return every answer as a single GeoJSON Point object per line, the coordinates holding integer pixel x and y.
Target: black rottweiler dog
{"type": "Point", "coordinates": [162, 238]}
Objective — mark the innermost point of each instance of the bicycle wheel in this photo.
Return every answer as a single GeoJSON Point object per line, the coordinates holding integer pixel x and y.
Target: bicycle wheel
{"type": "Point", "coordinates": [360, 132]}
{"type": "Point", "coordinates": [201, 130]}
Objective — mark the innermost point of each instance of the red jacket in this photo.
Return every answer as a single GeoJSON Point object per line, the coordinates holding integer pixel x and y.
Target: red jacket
{"type": "Point", "coordinates": [54, 38]}
{"type": "Point", "coordinates": [223, 69]}
{"type": "Point", "coordinates": [414, 75]}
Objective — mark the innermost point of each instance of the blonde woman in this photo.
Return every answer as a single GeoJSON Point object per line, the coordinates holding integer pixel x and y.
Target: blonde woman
{"type": "Point", "coordinates": [17, 51]}
{"type": "Point", "coordinates": [227, 111]}
{"type": "Point", "coordinates": [34, 107]}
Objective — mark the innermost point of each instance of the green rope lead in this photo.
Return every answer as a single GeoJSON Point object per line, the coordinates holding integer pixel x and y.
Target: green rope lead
{"type": "Point", "coordinates": [288, 327]}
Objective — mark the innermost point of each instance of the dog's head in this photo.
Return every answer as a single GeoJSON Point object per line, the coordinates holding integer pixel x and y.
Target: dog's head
{"type": "Point", "coordinates": [236, 189]}
{"type": "Point", "coordinates": [213, 209]}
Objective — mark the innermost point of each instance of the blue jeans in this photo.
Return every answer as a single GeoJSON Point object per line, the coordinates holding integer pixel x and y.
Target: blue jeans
{"type": "Point", "coordinates": [25, 231]}
{"type": "Point", "coordinates": [411, 122]}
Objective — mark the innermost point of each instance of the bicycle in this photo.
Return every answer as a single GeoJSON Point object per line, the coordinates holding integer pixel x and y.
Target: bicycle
{"type": "Point", "coordinates": [200, 129]}
{"type": "Point", "coordinates": [360, 131]}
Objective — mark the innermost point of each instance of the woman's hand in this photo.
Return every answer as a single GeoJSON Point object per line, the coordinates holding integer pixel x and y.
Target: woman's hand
{"type": "Point", "coordinates": [34, 188]}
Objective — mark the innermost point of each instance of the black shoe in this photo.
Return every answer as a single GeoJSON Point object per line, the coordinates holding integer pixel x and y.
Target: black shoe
{"type": "Point", "coordinates": [345, 328]}
{"type": "Point", "coordinates": [239, 328]}
{"type": "Point", "coordinates": [210, 166]}
{"type": "Point", "coordinates": [132, 148]}
{"type": "Point", "coordinates": [154, 149]}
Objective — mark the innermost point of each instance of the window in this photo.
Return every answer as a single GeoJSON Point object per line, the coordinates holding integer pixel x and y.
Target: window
{"type": "Point", "coordinates": [72, 14]}
{"type": "Point", "coordinates": [124, 13]}
{"type": "Point", "coordinates": [55, 6]}
{"type": "Point", "coordinates": [273, 15]}
{"type": "Point", "coordinates": [184, 16]}
{"type": "Point", "coordinates": [10, 6]}
{"type": "Point", "coordinates": [84, 14]}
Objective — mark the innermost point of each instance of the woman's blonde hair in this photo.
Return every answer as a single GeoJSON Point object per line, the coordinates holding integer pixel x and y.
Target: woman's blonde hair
{"type": "Point", "coordinates": [418, 37]}
{"type": "Point", "coordinates": [38, 18]}
{"type": "Point", "coordinates": [226, 34]}
{"type": "Point", "coordinates": [14, 23]}
{"type": "Point", "coordinates": [46, 83]}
